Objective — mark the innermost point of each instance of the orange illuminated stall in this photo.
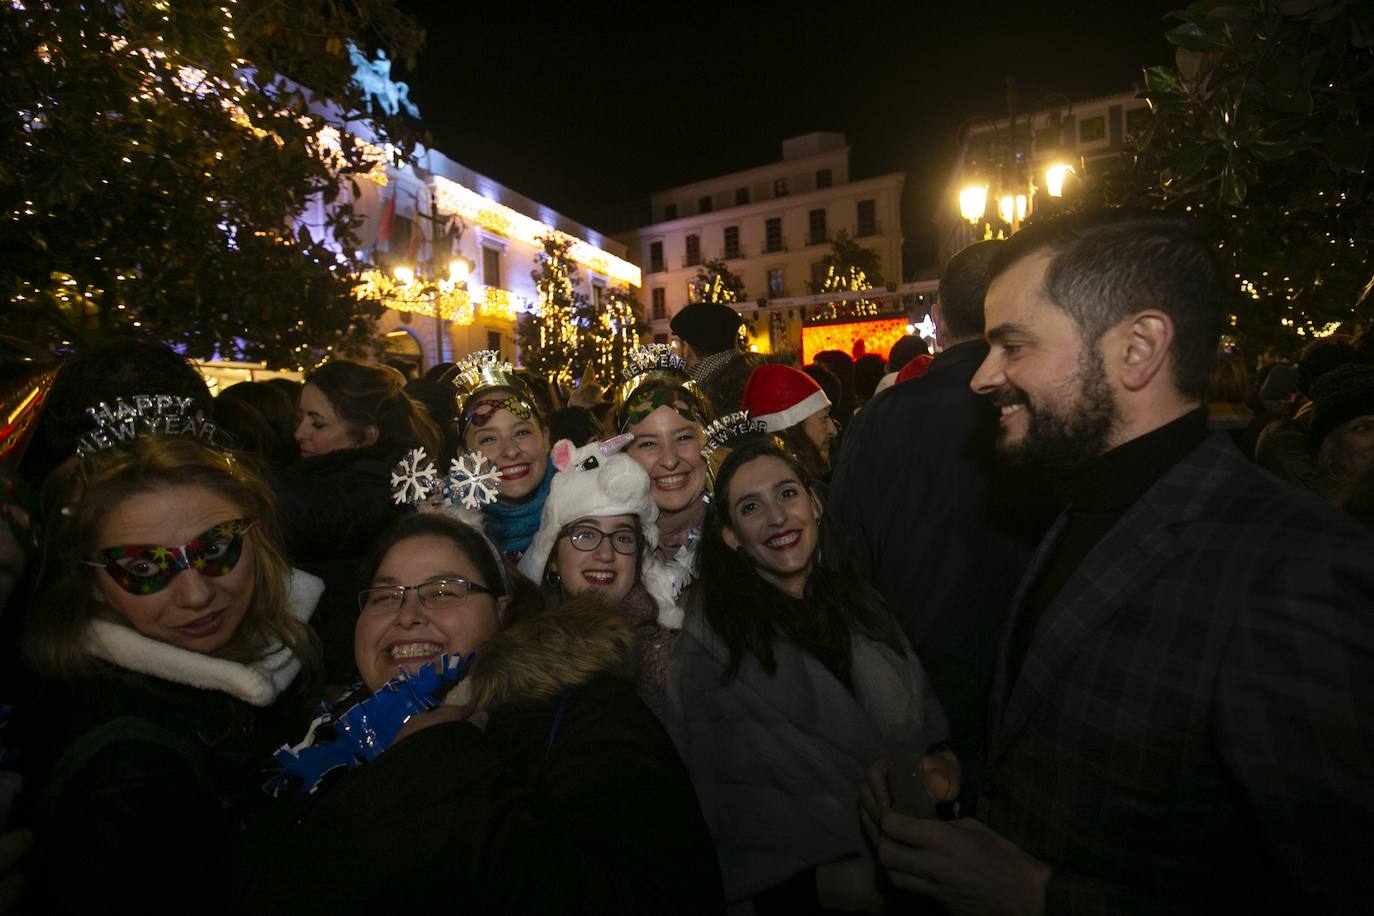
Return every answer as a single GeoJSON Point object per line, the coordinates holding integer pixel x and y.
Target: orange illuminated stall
{"type": "Point", "coordinates": [854, 336]}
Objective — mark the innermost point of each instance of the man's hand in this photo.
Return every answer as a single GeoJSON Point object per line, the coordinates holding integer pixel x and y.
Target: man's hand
{"type": "Point", "coordinates": [963, 864]}
{"type": "Point", "coordinates": [939, 771]}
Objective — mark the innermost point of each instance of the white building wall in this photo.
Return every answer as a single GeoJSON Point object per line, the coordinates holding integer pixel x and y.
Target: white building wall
{"type": "Point", "coordinates": [840, 202]}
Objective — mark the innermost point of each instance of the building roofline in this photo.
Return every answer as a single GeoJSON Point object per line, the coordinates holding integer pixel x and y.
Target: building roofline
{"type": "Point", "coordinates": [772, 203]}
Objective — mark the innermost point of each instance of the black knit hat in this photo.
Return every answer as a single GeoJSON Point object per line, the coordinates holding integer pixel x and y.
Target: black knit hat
{"type": "Point", "coordinates": [709, 327]}
{"type": "Point", "coordinates": [1341, 395]}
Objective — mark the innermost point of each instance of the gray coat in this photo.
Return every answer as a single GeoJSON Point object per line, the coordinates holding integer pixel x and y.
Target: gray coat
{"type": "Point", "coordinates": [777, 760]}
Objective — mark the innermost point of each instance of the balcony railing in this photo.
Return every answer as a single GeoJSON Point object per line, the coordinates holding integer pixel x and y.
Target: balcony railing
{"type": "Point", "coordinates": [732, 254]}
{"type": "Point", "coordinates": [691, 260]}
{"type": "Point", "coordinates": [773, 247]}
{"type": "Point", "coordinates": [814, 239]}
{"type": "Point", "coordinates": [862, 232]}
{"type": "Point", "coordinates": [657, 267]}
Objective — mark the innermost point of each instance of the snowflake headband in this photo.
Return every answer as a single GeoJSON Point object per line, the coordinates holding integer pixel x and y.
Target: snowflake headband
{"type": "Point", "coordinates": [143, 415]}
{"type": "Point", "coordinates": [471, 483]}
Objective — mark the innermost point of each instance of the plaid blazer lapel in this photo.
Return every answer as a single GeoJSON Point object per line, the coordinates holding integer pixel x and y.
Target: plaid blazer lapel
{"type": "Point", "coordinates": [998, 699]}
{"type": "Point", "coordinates": [1123, 563]}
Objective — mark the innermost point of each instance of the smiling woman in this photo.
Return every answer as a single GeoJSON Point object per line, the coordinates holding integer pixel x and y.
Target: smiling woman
{"type": "Point", "coordinates": [786, 652]}
{"type": "Point", "coordinates": [169, 653]}
{"type": "Point", "coordinates": [541, 785]}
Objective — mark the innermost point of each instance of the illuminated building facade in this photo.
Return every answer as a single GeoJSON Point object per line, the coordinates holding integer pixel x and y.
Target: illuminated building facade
{"type": "Point", "coordinates": [453, 251]}
{"type": "Point", "coordinates": [772, 226]}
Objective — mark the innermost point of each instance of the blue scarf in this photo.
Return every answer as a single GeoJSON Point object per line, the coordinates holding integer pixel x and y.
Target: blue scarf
{"type": "Point", "coordinates": [513, 525]}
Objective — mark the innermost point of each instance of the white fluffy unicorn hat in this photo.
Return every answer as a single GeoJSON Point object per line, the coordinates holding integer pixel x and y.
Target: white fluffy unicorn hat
{"type": "Point", "coordinates": [595, 481]}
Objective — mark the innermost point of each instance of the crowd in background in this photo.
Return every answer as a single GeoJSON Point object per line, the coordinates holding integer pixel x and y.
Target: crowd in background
{"type": "Point", "coordinates": [730, 632]}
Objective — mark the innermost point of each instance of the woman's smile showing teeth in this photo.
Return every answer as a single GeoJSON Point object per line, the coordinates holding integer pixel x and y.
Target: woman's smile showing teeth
{"type": "Point", "coordinates": [671, 481]}
{"type": "Point", "coordinates": [410, 650]}
{"type": "Point", "coordinates": [783, 539]}
{"type": "Point", "coordinates": [599, 576]}
{"type": "Point", "coordinates": [514, 471]}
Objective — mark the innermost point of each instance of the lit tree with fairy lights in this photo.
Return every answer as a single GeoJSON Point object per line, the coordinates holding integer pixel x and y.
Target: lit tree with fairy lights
{"type": "Point", "coordinates": [1262, 130]}
{"type": "Point", "coordinates": [156, 159]}
{"type": "Point", "coordinates": [615, 330]}
{"type": "Point", "coordinates": [568, 333]}
{"type": "Point", "coordinates": [550, 338]}
{"type": "Point", "coordinates": [716, 282]}
{"type": "Point", "coordinates": [850, 267]}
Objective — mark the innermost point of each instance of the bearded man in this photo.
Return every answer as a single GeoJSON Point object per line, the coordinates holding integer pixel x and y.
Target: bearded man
{"type": "Point", "coordinates": [1180, 714]}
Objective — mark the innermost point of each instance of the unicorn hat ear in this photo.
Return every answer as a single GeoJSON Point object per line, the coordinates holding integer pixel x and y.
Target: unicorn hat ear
{"type": "Point", "coordinates": [562, 454]}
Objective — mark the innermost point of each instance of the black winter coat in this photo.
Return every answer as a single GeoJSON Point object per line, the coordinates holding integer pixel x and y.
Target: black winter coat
{"type": "Point", "coordinates": [331, 508]}
{"type": "Point", "coordinates": [134, 787]}
{"type": "Point", "coordinates": [573, 800]}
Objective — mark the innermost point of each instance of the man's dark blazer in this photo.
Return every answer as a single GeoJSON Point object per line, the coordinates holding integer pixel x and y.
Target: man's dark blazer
{"type": "Point", "coordinates": [939, 526]}
{"type": "Point", "coordinates": [1192, 729]}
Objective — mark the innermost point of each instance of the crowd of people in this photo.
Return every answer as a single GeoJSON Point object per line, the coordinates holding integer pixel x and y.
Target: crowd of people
{"type": "Point", "coordinates": [1068, 616]}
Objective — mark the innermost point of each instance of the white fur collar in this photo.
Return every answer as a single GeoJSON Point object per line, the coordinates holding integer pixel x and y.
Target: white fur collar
{"type": "Point", "coordinates": [259, 683]}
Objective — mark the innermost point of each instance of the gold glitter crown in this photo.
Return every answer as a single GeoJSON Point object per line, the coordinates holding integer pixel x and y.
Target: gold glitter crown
{"type": "Point", "coordinates": [486, 369]}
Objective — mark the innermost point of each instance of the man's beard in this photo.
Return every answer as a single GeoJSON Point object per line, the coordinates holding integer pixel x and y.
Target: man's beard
{"type": "Point", "coordinates": [1063, 437]}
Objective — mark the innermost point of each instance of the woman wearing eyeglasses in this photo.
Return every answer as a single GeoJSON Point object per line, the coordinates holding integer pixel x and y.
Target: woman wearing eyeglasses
{"type": "Point", "coordinates": [168, 657]}
{"type": "Point", "coordinates": [543, 785]}
{"type": "Point", "coordinates": [598, 535]}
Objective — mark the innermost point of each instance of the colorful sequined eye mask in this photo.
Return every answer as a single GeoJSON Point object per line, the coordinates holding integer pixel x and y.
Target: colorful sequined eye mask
{"type": "Point", "coordinates": [645, 402]}
{"type": "Point", "coordinates": [143, 569]}
{"type": "Point", "coordinates": [479, 413]}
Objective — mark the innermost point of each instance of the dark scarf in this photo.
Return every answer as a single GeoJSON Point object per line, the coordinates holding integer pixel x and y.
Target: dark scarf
{"type": "Point", "coordinates": [512, 525]}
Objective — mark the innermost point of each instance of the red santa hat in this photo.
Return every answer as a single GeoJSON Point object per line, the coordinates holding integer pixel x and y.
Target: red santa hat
{"type": "Point", "coordinates": [781, 396]}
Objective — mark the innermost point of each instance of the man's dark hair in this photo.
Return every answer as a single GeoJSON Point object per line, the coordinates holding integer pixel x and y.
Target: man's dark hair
{"type": "Point", "coordinates": [1108, 264]}
{"type": "Point", "coordinates": [964, 286]}
{"type": "Point", "coordinates": [905, 350]}
{"type": "Point", "coordinates": [1320, 357]}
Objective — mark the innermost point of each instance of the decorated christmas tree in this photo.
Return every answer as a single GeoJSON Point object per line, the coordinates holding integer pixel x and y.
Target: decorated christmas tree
{"type": "Point", "coordinates": [551, 337]}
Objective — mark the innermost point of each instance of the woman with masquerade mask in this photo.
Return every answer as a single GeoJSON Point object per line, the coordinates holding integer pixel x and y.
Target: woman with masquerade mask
{"type": "Point", "coordinates": [668, 414]}
{"type": "Point", "coordinates": [498, 418]}
{"type": "Point", "coordinates": [169, 658]}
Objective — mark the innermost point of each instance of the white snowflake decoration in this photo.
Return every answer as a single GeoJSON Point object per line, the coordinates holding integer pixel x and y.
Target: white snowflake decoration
{"type": "Point", "coordinates": [413, 477]}
{"type": "Point", "coordinates": [472, 481]}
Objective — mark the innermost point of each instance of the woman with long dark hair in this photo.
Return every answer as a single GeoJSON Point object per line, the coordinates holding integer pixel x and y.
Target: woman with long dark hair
{"type": "Point", "coordinates": [788, 680]}
{"type": "Point", "coordinates": [355, 422]}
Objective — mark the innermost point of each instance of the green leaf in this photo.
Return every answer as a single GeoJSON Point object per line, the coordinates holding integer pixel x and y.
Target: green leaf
{"type": "Point", "coordinates": [1232, 188]}
{"type": "Point", "coordinates": [1193, 37]}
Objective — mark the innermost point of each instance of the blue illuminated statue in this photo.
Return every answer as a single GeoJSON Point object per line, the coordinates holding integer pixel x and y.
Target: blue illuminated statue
{"type": "Point", "coordinates": [373, 77]}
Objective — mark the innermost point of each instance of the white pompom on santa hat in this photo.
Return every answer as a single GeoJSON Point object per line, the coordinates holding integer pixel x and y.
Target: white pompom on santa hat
{"type": "Point", "coordinates": [781, 396]}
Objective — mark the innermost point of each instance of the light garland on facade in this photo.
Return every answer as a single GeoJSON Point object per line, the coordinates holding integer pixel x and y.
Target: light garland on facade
{"type": "Point", "coordinates": [497, 303]}
{"type": "Point", "coordinates": [452, 198]}
{"type": "Point", "coordinates": [445, 299]}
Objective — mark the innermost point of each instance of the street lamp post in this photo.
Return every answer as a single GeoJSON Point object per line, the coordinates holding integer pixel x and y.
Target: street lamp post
{"type": "Point", "coordinates": [1014, 188]}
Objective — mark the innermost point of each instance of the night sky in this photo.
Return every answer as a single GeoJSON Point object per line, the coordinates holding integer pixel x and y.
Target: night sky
{"type": "Point", "coordinates": [590, 107]}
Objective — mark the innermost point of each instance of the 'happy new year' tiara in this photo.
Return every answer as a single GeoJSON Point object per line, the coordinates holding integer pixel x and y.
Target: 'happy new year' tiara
{"type": "Point", "coordinates": [144, 415]}
{"type": "Point", "coordinates": [721, 433]}
{"type": "Point", "coordinates": [653, 357]}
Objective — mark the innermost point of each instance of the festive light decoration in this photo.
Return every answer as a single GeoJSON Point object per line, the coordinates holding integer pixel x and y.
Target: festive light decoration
{"type": "Point", "coordinates": [559, 304]}
{"type": "Point", "coordinates": [852, 279]}
{"type": "Point", "coordinates": [616, 332]}
{"type": "Point", "coordinates": [496, 303]}
{"type": "Point", "coordinates": [452, 197]}
{"type": "Point", "coordinates": [876, 334]}
{"type": "Point", "coordinates": [448, 299]}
